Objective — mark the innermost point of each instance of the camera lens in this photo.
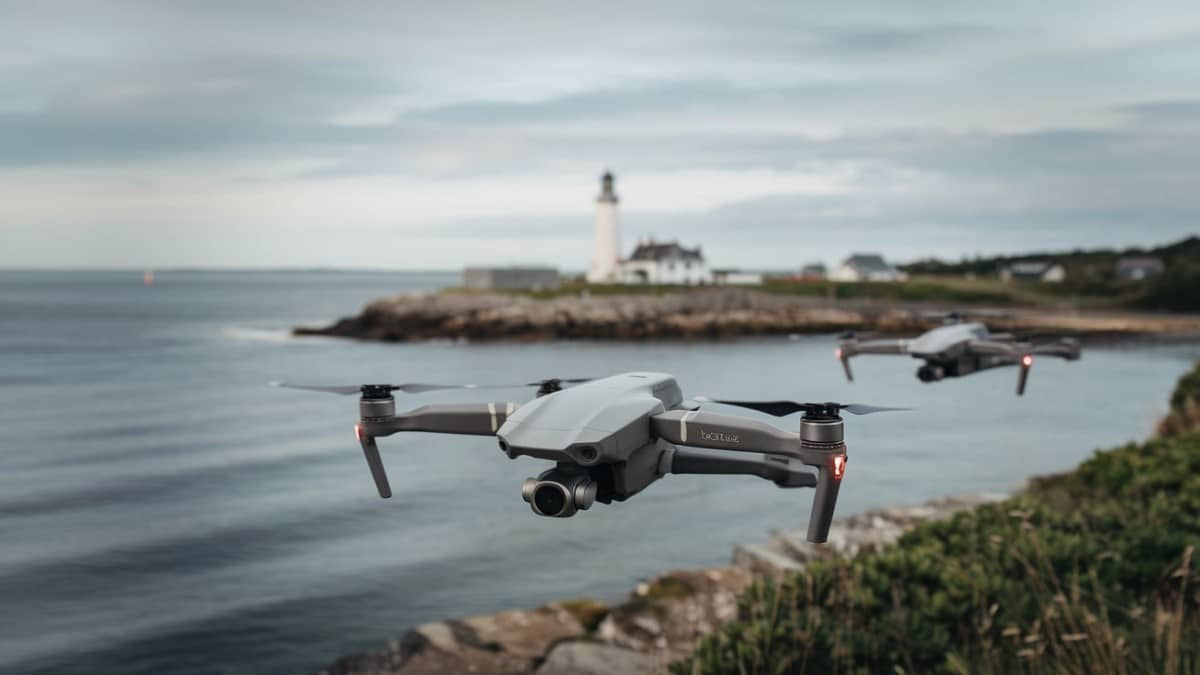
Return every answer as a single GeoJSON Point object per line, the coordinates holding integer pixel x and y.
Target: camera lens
{"type": "Point", "coordinates": [550, 499]}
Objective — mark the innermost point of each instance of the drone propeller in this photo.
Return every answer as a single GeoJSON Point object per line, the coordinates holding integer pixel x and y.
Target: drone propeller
{"type": "Point", "coordinates": [550, 384]}
{"type": "Point", "coordinates": [408, 388]}
{"type": "Point", "coordinates": [819, 410]}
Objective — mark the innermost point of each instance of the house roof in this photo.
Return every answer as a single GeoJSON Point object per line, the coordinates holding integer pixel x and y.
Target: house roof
{"type": "Point", "coordinates": [867, 263]}
{"type": "Point", "coordinates": [1030, 268]}
{"type": "Point", "coordinates": [670, 250]}
{"type": "Point", "coordinates": [1144, 263]}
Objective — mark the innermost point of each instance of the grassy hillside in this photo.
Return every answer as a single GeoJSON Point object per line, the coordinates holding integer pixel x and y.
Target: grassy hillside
{"type": "Point", "coordinates": [1090, 571]}
{"type": "Point", "coordinates": [1091, 275]}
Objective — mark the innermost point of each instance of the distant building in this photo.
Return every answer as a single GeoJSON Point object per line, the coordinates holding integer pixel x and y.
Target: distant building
{"type": "Point", "coordinates": [665, 263]}
{"type": "Point", "coordinates": [1138, 269]}
{"type": "Point", "coordinates": [867, 267]}
{"type": "Point", "coordinates": [510, 278]}
{"type": "Point", "coordinates": [650, 263]}
{"type": "Point", "coordinates": [736, 278]}
{"type": "Point", "coordinates": [813, 272]}
{"type": "Point", "coordinates": [606, 256]}
{"type": "Point", "coordinates": [1034, 270]}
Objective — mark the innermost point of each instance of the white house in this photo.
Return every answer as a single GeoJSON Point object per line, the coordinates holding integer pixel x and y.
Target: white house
{"type": "Point", "coordinates": [1034, 270]}
{"type": "Point", "coordinates": [1138, 268]}
{"type": "Point", "coordinates": [665, 263]}
{"type": "Point", "coordinates": [866, 267]}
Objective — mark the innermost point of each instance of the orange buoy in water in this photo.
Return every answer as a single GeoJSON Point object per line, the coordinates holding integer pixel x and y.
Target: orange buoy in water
{"type": "Point", "coordinates": [148, 278]}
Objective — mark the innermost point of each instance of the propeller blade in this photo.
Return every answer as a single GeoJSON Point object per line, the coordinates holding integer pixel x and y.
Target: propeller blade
{"type": "Point", "coordinates": [408, 388]}
{"type": "Point", "coordinates": [776, 408]}
{"type": "Point", "coordinates": [785, 408]}
{"type": "Point", "coordinates": [348, 389]}
{"type": "Point", "coordinates": [560, 380]}
{"type": "Point", "coordinates": [419, 387]}
{"type": "Point", "coordinates": [863, 409]}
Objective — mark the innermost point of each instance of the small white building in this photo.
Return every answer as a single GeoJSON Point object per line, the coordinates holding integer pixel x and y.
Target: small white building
{"type": "Point", "coordinates": [866, 267]}
{"type": "Point", "coordinates": [510, 278]}
{"type": "Point", "coordinates": [665, 263]}
{"type": "Point", "coordinates": [1138, 268]}
{"type": "Point", "coordinates": [736, 278]}
{"type": "Point", "coordinates": [814, 272]}
{"type": "Point", "coordinates": [1034, 270]}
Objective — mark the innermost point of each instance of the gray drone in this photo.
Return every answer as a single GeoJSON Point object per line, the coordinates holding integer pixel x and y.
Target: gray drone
{"type": "Point", "coordinates": [960, 348]}
{"type": "Point", "coordinates": [612, 437]}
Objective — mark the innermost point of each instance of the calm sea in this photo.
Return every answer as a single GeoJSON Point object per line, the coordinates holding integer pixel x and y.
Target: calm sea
{"type": "Point", "coordinates": [162, 510]}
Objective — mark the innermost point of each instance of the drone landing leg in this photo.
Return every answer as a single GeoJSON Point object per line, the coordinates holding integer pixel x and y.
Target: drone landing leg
{"type": "Point", "coordinates": [374, 462]}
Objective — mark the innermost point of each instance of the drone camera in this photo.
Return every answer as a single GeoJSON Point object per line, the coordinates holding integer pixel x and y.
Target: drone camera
{"type": "Point", "coordinates": [930, 373]}
{"type": "Point", "coordinates": [558, 493]}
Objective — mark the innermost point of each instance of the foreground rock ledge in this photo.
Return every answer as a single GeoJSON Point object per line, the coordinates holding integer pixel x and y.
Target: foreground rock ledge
{"type": "Point", "coordinates": [701, 313]}
{"type": "Point", "coordinates": [661, 622]}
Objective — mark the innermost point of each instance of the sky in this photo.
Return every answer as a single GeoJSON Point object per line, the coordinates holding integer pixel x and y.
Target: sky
{"type": "Point", "coordinates": [413, 135]}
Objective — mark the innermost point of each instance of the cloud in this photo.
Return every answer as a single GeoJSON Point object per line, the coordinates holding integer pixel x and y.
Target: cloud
{"type": "Point", "coordinates": [934, 128]}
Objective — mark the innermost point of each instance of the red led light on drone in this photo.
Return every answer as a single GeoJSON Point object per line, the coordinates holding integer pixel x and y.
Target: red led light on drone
{"type": "Point", "coordinates": [1027, 360]}
{"type": "Point", "coordinates": [839, 467]}
{"type": "Point", "coordinates": [358, 431]}
{"type": "Point", "coordinates": [838, 354]}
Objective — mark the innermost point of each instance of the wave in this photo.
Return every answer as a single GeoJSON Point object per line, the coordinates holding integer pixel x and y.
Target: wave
{"type": "Point", "coordinates": [256, 334]}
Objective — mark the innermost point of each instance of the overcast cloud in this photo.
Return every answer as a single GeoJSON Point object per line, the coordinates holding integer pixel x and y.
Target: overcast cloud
{"type": "Point", "coordinates": [429, 135]}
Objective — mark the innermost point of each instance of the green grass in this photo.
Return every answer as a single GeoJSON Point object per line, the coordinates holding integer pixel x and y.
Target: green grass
{"type": "Point", "coordinates": [944, 290]}
{"type": "Point", "coordinates": [1089, 571]}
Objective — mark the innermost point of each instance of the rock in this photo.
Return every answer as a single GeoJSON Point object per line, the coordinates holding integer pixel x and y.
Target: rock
{"type": "Point", "coordinates": [763, 560]}
{"type": "Point", "coordinates": [661, 622]}
{"type": "Point", "coordinates": [673, 611]}
{"type": "Point", "coordinates": [578, 657]}
{"type": "Point", "coordinates": [488, 644]}
{"type": "Point", "coordinates": [691, 314]}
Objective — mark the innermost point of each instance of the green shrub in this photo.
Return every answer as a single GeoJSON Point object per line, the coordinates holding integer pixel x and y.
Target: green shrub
{"type": "Point", "coordinates": [1090, 571]}
{"type": "Point", "coordinates": [1178, 289]}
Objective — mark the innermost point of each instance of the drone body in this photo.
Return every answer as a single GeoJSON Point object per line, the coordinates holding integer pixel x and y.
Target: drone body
{"type": "Point", "coordinates": [961, 348]}
{"type": "Point", "coordinates": [610, 438]}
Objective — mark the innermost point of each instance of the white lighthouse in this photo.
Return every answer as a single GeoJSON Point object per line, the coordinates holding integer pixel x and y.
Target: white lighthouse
{"type": "Point", "coordinates": [606, 259]}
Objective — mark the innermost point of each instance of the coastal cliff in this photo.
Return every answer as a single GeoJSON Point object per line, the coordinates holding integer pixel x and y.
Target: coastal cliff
{"type": "Point", "coordinates": [692, 314]}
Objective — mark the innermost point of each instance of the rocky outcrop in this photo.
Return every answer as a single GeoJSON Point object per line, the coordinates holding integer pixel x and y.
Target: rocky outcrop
{"type": "Point", "coordinates": [699, 313]}
{"type": "Point", "coordinates": [702, 313]}
{"type": "Point", "coordinates": [661, 622]}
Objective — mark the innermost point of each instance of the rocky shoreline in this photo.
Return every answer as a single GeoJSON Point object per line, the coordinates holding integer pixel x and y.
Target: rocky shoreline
{"type": "Point", "coordinates": [697, 314]}
{"type": "Point", "coordinates": [661, 621]}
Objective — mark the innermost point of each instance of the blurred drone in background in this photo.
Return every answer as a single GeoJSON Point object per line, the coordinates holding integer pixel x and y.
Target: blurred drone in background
{"type": "Point", "coordinates": [960, 348]}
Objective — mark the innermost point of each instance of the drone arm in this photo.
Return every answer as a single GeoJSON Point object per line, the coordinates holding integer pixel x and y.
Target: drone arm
{"type": "Point", "coordinates": [848, 348]}
{"type": "Point", "coordinates": [700, 429]}
{"type": "Point", "coordinates": [1065, 348]}
{"type": "Point", "coordinates": [997, 348]}
{"type": "Point", "coordinates": [481, 419]}
{"type": "Point", "coordinates": [477, 419]}
{"type": "Point", "coordinates": [782, 471]}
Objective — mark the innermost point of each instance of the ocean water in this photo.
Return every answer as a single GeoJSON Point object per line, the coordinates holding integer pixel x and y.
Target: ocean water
{"type": "Point", "coordinates": [162, 510]}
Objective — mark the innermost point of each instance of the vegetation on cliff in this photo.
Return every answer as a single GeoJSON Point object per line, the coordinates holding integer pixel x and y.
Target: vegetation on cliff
{"type": "Point", "coordinates": [1090, 571]}
{"type": "Point", "coordinates": [1091, 276]}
